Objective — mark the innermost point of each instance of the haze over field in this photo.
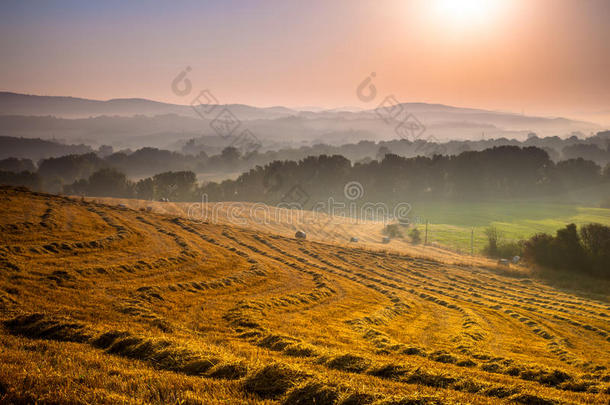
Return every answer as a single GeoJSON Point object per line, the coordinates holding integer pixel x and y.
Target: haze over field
{"type": "Point", "coordinates": [465, 69]}
{"type": "Point", "coordinates": [546, 57]}
{"type": "Point", "coordinates": [137, 122]}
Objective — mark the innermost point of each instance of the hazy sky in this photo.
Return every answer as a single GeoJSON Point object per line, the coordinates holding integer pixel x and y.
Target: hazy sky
{"type": "Point", "coordinates": [540, 56]}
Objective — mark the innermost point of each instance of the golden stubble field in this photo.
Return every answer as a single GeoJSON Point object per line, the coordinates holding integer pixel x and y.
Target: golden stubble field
{"type": "Point", "coordinates": [318, 226]}
{"type": "Point", "coordinates": [103, 304]}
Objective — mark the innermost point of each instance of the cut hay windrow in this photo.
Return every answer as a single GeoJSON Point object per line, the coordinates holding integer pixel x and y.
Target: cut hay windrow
{"type": "Point", "coordinates": [164, 308]}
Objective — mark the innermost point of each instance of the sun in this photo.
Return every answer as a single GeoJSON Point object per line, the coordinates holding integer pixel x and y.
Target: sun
{"type": "Point", "coordinates": [467, 12]}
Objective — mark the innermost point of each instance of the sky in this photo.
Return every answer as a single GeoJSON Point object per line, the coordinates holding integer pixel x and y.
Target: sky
{"type": "Point", "coordinates": [549, 57]}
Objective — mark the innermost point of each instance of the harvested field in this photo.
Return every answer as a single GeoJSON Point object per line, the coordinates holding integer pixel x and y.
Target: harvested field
{"type": "Point", "coordinates": [101, 304]}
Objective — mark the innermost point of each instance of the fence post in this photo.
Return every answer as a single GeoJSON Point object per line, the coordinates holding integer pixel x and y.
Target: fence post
{"type": "Point", "coordinates": [472, 242]}
{"type": "Point", "coordinates": [426, 237]}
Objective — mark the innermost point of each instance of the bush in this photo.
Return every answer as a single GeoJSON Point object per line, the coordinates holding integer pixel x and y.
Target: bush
{"type": "Point", "coordinates": [538, 249]}
{"type": "Point", "coordinates": [393, 231]}
{"type": "Point", "coordinates": [415, 236]}
{"type": "Point", "coordinates": [587, 251]}
{"type": "Point", "coordinates": [596, 243]}
{"type": "Point", "coordinates": [493, 237]}
{"type": "Point", "coordinates": [25, 179]}
{"type": "Point", "coordinates": [105, 182]}
{"type": "Point", "coordinates": [569, 254]}
{"type": "Point", "coordinates": [510, 249]}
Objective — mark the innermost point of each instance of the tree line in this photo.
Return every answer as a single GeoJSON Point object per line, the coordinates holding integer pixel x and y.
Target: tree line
{"type": "Point", "coordinates": [55, 173]}
{"type": "Point", "coordinates": [210, 155]}
{"type": "Point", "coordinates": [504, 172]}
{"type": "Point", "coordinates": [582, 251]}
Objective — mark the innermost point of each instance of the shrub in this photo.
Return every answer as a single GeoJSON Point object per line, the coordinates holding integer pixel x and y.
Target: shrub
{"type": "Point", "coordinates": [596, 242]}
{"type": "Point", "coordinates": [538, 249]}
{"type": "Point", "coordinates": [587, 251]}
{"type": "Point", "coordinates": [568, 250]}
{"type": "Point", "coordinates": [510, 249]}
{"type": "Point", "coordinates": [493, 237]}
{"type": "Point", "coordinates": [415, 236]}
{"type": "Point", "coordinates": [393, 231]}
{"type": "Point", "coordinates": [498, 248]}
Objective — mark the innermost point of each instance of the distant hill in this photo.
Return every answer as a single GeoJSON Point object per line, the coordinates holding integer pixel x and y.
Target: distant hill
{"type": "Point", "coordinates": [72, 107]}
{"type": "Point", "coordinates": [139, 122]}
{"type": "Point", "coordinates": [37, 149]}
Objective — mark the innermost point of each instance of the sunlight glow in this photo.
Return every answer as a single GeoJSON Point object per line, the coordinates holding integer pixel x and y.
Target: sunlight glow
{"type": "Point", "coordinates": [467, 12]}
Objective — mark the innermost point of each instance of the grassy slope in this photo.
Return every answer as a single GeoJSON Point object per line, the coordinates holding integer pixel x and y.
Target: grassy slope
{"type": "Point", "coordinates": [108, 305]}
{"type": "Point", "coordinates": [451, 224]}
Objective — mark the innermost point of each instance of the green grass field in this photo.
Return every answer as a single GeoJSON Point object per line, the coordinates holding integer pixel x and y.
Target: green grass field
{"type": "Point", "coordinates": [450, 224]}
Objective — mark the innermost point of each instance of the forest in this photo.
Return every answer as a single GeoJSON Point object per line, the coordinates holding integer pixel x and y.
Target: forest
{"type": "Point", "coordinates": [505, 172]}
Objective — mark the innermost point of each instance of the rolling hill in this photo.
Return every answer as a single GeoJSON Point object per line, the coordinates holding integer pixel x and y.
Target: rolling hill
{"type": "Point", "coordinates": [107, 304]}
{"type": "Point", "coordinates": [74, 107]}
{"type": "Point", "coordinates": [140, 122]}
